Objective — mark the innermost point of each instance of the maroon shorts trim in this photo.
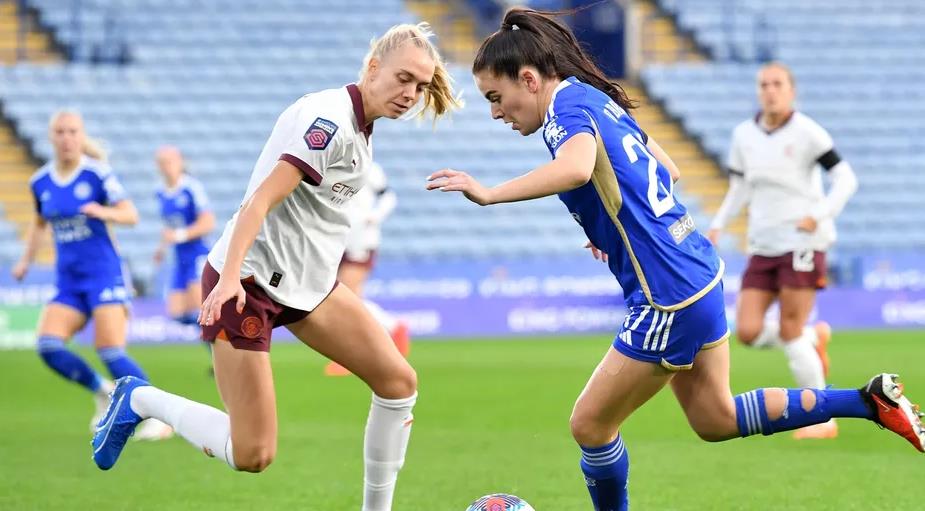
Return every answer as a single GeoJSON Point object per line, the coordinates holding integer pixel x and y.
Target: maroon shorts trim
{"type": "Point", "coordinates": [367, 263]}
{"type": "Point", "coordinates": [774, 273]}
{"type": "Point", "coordinates": [252, 329]}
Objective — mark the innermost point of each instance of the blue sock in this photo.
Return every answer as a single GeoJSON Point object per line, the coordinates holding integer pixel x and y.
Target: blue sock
{"type": "Point", "coordinates": [189, 318]}
{"type": "Point", "coordinates": [119, 363]}
{"type": "Point", "coordinates": [606, 472]}
{"type": "Point", "coordinates": [67, 363]}
{"type": "Point", "coordinates": [752, 417]}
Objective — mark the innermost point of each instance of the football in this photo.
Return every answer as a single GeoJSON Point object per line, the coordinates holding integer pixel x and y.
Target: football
{"type": "Point", "coordinates": [500, 502]}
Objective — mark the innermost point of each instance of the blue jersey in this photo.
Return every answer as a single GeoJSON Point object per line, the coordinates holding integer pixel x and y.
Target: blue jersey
{"type": "Point", "coordinates": [86, 251]}
{"type": "Point", "coordinates": [628, 209]}
{"type": "Point", "coordinates": [180, 207]}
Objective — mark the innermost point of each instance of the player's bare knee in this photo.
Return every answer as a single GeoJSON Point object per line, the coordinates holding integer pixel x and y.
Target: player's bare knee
{"type": "Point", "coordinates": [400, 383]}
{"type": "Point", "coordinates": [254, 459]}
{"type": "Point", "coordinates": [747, 333]}
{"type": "Point", "coordinates": [589, 432]}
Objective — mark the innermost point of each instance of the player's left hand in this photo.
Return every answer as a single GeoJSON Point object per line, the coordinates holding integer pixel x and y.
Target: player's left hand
{"type": "Point", "coordinates": [449, 180]}
{"type": "Point", "coordinates": [95, 210]}
{"type": "Point", "coordinates": [807, 224]}
{"type": "Point", "coordinates": [168, 236]}
{"type": "Point", "coordinates": [598, 254]}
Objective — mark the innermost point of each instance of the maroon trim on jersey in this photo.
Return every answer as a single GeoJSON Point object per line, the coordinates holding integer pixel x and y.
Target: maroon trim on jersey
{"type": "Point", "coordinates": [357, 99]}
{"type": "Point", "coordinates": [768, 132]}
{"type": "Point", "coordinates": [312, 176]}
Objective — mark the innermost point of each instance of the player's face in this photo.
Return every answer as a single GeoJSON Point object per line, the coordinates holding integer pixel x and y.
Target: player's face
{"type": "Point", "coordinates": [511, 101]}
{"type": "Point", "coordinates": [170, 163]}
{"type": "Point", "coordinates": [398, 80]}
{"type": "Point", "coordinates": [67, 137]}
{"type": "Point", "coordinates": [775, 91]}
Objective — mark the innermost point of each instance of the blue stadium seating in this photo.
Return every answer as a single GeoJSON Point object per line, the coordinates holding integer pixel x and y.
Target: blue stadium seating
{"type": "Point", "coordinates": [858, 68]}
{"type": "Point", "coordinates": [214, 84]}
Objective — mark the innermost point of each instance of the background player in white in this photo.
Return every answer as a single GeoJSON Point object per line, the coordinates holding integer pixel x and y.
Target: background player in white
{"type": "Point", "coordinates": [371, 206]}
{"type": "Point", "coordinates": [278, 260]}
{"type": "Point", "coordinates": [774, 166]}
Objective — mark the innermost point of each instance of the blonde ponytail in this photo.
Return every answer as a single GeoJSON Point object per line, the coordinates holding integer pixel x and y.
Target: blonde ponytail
{"type": "Point", "coordinates": [439, 97]}
{"type": "Point", "coordinates": [94, 148]}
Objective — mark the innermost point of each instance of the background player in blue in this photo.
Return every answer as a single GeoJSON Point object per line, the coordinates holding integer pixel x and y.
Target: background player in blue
{"type": "Point", "coordinates": [77, 193]}
{"type": "Point", "coordinates": [618, 185]}
{"type": "Point", "coordinates": [187, 220]}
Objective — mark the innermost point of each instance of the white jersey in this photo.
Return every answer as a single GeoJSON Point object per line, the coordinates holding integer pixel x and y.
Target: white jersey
{"type": "Point", "coordinates": [297, 251]}
{"type": "Point", "coordinates": [783, 182]}
{"type": "Point", "coordinates": [371, 206]}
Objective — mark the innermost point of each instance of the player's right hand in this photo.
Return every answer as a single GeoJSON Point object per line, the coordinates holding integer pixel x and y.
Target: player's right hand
{"type": "Point", "coordinates": [224, 290]}
{"type": "Point", "coordinates": [598, 254]}
{"type": "Point", "coordinates": [19, 271]}
{"type": "Point", "coordinates": [713, 235]}
{"type": "Point", "coordinates": [159, 255]}
{"type": "Point", "coordinates": [449, 180]}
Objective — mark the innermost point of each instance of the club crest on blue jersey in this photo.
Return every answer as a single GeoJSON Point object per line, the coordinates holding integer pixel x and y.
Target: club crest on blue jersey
{"type": "Point", "coordinates": [320, 134]}
{"type": "Point", "coordinates": [553, 133]}
{"type": "Point", "coordinates": [82, 190]}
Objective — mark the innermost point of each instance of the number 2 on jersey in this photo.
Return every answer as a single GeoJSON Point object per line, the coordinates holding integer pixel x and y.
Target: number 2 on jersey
{"type": "Point", "coordinates": [659, 206]}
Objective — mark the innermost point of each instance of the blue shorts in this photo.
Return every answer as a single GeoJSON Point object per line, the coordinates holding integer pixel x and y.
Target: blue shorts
{"type": "Point", "coordinates": [187, 271]}
{"type": "Point", "coordinates": [88, 297]}
{"type": "Point", "coordinates": [673, 339]}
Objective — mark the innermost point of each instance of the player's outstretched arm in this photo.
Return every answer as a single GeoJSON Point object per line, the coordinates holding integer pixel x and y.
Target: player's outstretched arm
{"type": "Point", "coordinates": [571, 168]}
{"type": "Point", "coordinates": [735, 200]}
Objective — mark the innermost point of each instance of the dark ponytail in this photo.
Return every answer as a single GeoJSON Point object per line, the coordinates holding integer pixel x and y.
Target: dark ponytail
{"type": "Point", "coordinates": [534, 38]}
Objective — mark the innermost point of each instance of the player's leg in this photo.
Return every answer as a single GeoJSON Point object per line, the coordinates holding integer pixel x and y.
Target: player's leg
{"type": "Point", "coordinates": [618, 386]}
{"type": "Point", "coordinates": [244, 438]}
{"type": "Point", "coordinates": [342, 329]}
{"type": "Point", "coordinates": [110, 322]}
{"type": "Point", "coordinates": [715, 415]}
{"type": "Point", "coordinates": [245, 382]}
{"type": "Point", "coordinates": [751, 308]}
{"type": "Point", "coordinates": [58, 323]}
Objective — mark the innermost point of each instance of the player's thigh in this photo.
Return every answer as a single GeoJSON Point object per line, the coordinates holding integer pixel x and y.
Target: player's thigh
{"type": "Point", "coordinates": [796, 304]}
{"type": "Point", "coordinates": [342, 329]}
{"type": "Point", "coordinates": [618, 386]}
{"type": "Point", "coordinates": [704, 395]}
{"type": "Point", "coordinates": [245, 384]}
{"type": "Point", "coordinates": [353, 275]}
{"type": "Point", "coordinates": [752, 305]}
{"type": "Point", "coordinates": [110, 325]}
{"type": "Point", "coordinates": [60, 320]}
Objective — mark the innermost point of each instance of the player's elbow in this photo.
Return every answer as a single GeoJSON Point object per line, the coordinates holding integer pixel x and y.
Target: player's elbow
{"type": "Point", "coordinates": [580, 175]}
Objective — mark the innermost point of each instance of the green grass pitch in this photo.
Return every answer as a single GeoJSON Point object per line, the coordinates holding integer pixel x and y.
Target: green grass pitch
{"type": "Point", "coordinates": [492, 417]}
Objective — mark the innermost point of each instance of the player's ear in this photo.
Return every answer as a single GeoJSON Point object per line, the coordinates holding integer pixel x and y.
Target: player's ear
{"type": "Point", "coordinates": [372, 69]}
{"type": "Point", "coordinates": [530, 79]}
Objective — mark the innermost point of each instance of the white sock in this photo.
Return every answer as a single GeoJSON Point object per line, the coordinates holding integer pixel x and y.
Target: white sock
{"type": "Point", "coordinates": [769, 337]}
{"type": "Point", "coordinates": [384, 318]}
{"type": "Point", "coordinates": [387, 431]}
{"type": "Point", "coordinates": [207, 428]}
{"type": "Point", "coordinates": [804, 362]}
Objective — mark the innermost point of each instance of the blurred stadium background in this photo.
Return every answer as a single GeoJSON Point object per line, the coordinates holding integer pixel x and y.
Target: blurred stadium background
{"type": "Point", "coordinates": [210, 76]}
